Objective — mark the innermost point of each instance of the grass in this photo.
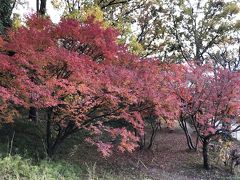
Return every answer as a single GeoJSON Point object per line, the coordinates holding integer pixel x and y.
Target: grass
{"type": "Point", "coordinates": [23, 156]}
{"type": "Point", "coordinates": [16, 167]}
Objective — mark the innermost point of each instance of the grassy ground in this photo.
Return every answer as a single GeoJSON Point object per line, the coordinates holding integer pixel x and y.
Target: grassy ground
{"type": "Point", "coordinates": [23, 157]}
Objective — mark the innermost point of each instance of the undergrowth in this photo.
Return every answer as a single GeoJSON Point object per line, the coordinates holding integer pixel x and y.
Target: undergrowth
{"type": "Point", "coordinates": [16, 167]}
{"type": "Point", "coordinates": [23, 157]}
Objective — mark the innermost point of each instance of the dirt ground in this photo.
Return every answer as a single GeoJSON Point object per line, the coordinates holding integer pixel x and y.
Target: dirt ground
{"type": "Point", "coordinates": [169, 159]}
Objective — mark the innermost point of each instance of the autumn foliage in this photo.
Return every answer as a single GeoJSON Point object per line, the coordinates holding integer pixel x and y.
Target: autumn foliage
{"type": "Point", "coordinates": [83, 80]}
{"type": "Point", "coordinates": [209, 101]}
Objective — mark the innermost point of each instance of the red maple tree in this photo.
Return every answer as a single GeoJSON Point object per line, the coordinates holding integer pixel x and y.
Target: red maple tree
{"type": "Point", "coordinates": [209, 98]}
{"type": "Point", "coordinates": [78, 74]}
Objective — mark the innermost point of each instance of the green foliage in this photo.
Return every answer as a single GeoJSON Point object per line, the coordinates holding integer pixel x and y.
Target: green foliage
{"type": "Point", "coordinates": [5, 14]}
{"type": "Point", "coordinates": [25, 163]}
{"type": "Point", "coordinates": [110, 13]}
{"type": "Point", "coordinates": [27, 140]}
{"type": "Point", "coordinates": [16, 21]}
{"type": "Point", "coordinates": [150, 28]}
{"type": "Point", "coordinates": [15, 167]}
{"type": "Point", "coordinates": [135, 46]}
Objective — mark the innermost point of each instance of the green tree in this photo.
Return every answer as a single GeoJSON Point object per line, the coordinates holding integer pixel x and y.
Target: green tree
{"type": "Point", "coordinates": [169, 29]}
{"type": "Point", "coordinates": [6, 8]}
{"type": "Point", "coordinates": [196, 29]}
{"type": "Point", "coordinates": [116, 13]}
{"type": "Point", "coordinates": [6, 11]}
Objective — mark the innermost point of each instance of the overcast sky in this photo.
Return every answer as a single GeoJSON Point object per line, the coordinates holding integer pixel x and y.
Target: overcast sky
{"type": "Point", "coordinates": [30, 7]}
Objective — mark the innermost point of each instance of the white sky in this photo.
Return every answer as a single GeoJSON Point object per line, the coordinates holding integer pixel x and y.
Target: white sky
{"type": "Point", "coordinates": [30, 7]}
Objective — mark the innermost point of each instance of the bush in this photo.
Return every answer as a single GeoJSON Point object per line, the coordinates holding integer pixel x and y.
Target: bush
{"type": "Point", "coordinates": [15, 167]}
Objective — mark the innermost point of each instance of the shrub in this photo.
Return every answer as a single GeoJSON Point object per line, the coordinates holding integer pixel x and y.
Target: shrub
{"type": "Point", "coordinates": [15, 167]}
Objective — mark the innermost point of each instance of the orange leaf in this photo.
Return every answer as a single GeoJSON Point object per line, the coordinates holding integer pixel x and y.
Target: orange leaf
{"type": "Point", "coordinates": [1, 42]}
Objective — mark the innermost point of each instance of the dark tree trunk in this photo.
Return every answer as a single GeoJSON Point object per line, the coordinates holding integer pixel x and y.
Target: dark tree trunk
{"type": "Point", "coordinates": [53, 141]}
{"type": "Point", "coordinates": [43, 6]}
{"type": "Point", "coordinates": [205, 154]}
{"type": "Point", "coordinates": [183, 125]}
{"type": "Point", "coordinates": [33, 114]}
{"type": "Point", "coordinates": [142, 142]}
{"type": "Point", "coordinates": [37, 6]}
{"type": "Point", "coordinates": [154, 127]}
{"type": "Point", "coordinates": [49, 133]}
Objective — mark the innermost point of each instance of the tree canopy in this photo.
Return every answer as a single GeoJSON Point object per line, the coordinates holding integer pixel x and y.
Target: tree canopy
{"type": "Point", "coordinates": [93, 72]}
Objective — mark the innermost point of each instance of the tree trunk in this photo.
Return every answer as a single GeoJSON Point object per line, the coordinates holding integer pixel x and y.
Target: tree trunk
{"type": "Point", "coordinates": [37, 6]}
{"type": "Point", "coordinates": [52, 142]}
{"type": "Point", "coordinates": [49, 134]}
{"type": "Point", "coordinates": [205, 154]}
{"type": "Point", "coordinates": [154, 127]}
{"type": "Point", "coordinates": [141, 142]}
{"type": "Point", "coordinates": [183, 125]}
{"type": "Point", "coordinates": [43, 6]}
{"type": "Point", "coordinates": [33, 114]}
